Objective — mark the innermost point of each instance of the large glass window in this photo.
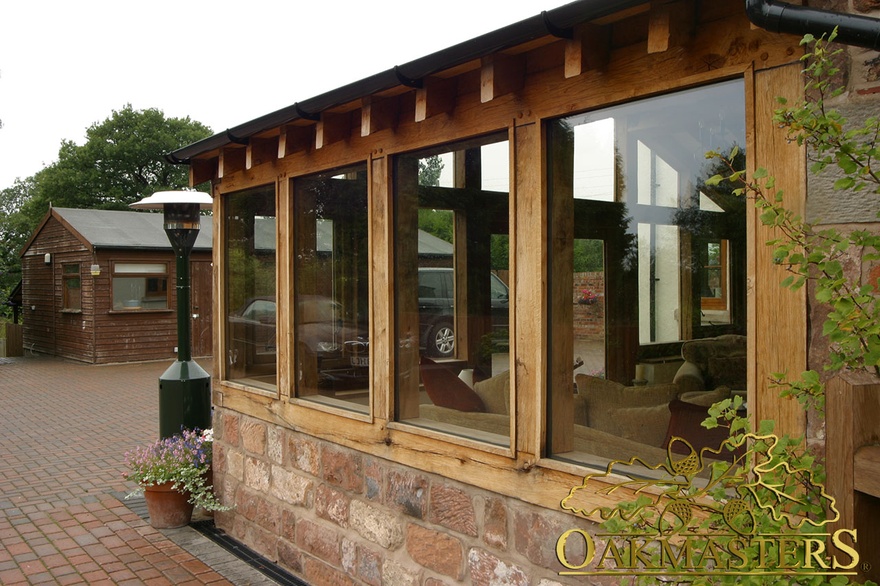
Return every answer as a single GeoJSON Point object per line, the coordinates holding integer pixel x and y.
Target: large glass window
{"type": "Point", "coordinates": [139, 286]}
{"type": "Point", "coordinates": [251, 336]}
{"type": "Point", "coordinates": [647, 274]}
{"type": "Point", "coordinates": [452, 289]}
{"type": "Point", "coordinates": [331, 276]}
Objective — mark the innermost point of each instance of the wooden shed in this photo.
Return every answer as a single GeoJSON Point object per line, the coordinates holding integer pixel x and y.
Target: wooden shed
{"type": "Point", "coordinates": [98, 286]}
{"type": "Point", "coordinates": [573, 153]}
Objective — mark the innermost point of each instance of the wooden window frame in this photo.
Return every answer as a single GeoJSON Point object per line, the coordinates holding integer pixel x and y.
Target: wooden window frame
{"type": "Point", "coordinates": [67, 278]}
{"type": "Point", "coordinates": [718, 303]}
{"type": "Point", "coordinates": [248, 382]}
{"type": "Point", "coordinates": [116, 273]}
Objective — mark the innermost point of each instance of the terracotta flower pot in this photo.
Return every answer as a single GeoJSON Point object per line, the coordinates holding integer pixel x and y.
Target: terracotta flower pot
{"type": "Point", "coordinates": [168, 508]}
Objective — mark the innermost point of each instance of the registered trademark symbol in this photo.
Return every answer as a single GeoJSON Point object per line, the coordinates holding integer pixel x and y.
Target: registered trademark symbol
{"type": "Point", "coordinates": [866, 567]}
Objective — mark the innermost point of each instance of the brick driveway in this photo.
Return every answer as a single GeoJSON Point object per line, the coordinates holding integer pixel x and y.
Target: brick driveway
{"type": "Point", "coordinates": [64, 428]}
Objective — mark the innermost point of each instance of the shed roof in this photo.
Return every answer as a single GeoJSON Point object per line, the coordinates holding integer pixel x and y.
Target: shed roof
{"type": "Point", "coordinates": [122, 229]}
{"type": "Point", "coordinates": [143, 230]}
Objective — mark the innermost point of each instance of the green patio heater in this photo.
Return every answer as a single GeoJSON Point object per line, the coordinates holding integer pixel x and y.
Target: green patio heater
{"type": "Point", "coordinates": [185, 388]}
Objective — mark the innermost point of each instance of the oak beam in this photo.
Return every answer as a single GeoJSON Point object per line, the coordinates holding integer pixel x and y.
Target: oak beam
{"type": "Point", "coordinates": [201, 170]}
{"type": "Point", "coordinates": [332, 128]}
{"type": "Point", "coordinates": [261, 150]}
{"type": "Point", "coordinates": [500, 75]}
{"type": "Point", "coordinates": [622, 15]}
{"type": "Point", "coordinates": [437, 96]}
{"type": "Point", "coordinates": [866, 470]}
{"type": "Point", "coordinates": [294, 138]}
{"type": "Point", "coordinates": [232, 159]}
{"type": "Point", "coordinates": [589, 50]}
{"type": "Point", "coordinates": [378, 114]}
{"type": "Point", "coordinates": [670, 25]}
{"type": "Point", "coordinates": [783, 347]}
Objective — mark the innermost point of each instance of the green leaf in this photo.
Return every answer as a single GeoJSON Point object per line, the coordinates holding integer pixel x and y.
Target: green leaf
{"type": "Point", "coordinates": [714, 180]}
{"type": "Point", "coordinates": [766, 426]}
{"type": "Point", "coordinates": [844, 183]}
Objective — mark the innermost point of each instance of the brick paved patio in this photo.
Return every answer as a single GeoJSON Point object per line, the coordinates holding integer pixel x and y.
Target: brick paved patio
{"type": "Point", "coordinates": [65, 427]}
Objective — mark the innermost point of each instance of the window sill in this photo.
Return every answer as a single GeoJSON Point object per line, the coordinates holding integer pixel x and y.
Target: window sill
{"type": "Point", "coordinates": [132, 311]}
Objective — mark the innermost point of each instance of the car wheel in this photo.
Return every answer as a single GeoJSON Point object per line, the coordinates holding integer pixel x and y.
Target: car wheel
{"type": "Point", "coordinates": [441, 342]}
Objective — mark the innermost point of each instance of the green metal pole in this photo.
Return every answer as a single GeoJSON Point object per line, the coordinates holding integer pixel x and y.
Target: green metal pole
{"type": "Point", "coordinates": [185, 388]}
{"type": "Point", "coordinates": [184, 351]}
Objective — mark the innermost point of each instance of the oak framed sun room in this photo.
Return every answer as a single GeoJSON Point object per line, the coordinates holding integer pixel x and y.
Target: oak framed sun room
{"type": "Point", "coordinates": [487, 265]}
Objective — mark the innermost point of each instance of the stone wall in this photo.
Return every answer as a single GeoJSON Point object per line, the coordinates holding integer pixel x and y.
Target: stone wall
{"type": "Point", "coordinates": [333, 515]}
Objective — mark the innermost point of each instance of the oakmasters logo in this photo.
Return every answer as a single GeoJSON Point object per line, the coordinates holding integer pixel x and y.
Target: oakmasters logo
{"type": "Point", "coordinates": [740, 510]}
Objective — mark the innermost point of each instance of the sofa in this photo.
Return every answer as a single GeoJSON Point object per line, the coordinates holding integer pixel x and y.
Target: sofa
{"type": "Point", "coordinates": [611, 420]}
{"type": "Point", "coordinates": [713, 362]}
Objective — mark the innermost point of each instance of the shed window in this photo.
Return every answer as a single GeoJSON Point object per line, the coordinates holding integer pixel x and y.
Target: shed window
{"type": "Point", "coordinates": [251, 333]}
{"type": "Point", "coordinates": [140, 286]}
{"type": "Point", "coordinates": [72, 287]}
{"type": "Point", "coordinates": [647, 274]}
{"type": "Point", "coordinates": [452, 296]}
{"type": "Point", "coordinates": [332, 292]}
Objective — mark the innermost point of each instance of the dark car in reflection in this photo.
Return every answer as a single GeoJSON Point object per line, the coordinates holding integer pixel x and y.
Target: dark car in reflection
{"type": "Point", "coordinates": [341, 352]}
{"type": "Point", "coordinates": [340, 346]}
{"type": "Point", "coordinates": [437, 309]}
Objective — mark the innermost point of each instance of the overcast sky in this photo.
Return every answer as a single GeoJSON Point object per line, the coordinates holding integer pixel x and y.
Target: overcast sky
{"type": "Point", "coordinates": [67, 65]}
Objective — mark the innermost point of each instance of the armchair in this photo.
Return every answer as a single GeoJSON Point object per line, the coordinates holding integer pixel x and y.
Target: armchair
{"type": "Point", "coordinates": [713, 362]}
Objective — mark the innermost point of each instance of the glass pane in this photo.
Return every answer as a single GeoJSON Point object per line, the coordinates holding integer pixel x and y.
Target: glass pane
{"type": "Point", "coordinates": [72, 289]}
{"type": "Point", "coordinates": [139, 268]}
{"type": "Point", "coordinates": [251, 337]}
{"type": "Point", "coordinates": [332, 295]}
{"type": "Point", "coordinates": [656, 260]}
{"type": "Point", "coordinates": [452, 295]}
{"type": "Point", "coordinates": [588, 320]}
{"type": "Point", "coordinates": [139, 293]}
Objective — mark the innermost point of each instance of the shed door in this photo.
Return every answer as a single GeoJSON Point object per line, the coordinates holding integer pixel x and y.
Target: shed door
{"type": "Point", "coordinates": [201, 282]}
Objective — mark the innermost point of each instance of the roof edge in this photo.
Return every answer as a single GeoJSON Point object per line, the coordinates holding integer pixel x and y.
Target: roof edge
{"type": "Point", "coordinates": [550, 22]}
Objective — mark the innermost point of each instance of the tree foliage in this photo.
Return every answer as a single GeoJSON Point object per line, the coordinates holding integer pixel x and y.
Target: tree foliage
{"type": "Point", "coordinates": [121, 161]}
{"type": "Point", "coordinates": [430, 169]}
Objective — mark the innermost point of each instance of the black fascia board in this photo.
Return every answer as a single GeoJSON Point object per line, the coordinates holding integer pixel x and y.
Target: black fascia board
{"type": "Point", "coordinates": [548, 22]}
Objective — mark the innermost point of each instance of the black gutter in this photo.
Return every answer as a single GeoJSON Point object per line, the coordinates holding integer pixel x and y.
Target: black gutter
{"type": "Point", "coordinates": [557, 21]}
{"type": "Point", "coordinates": [779, 17]}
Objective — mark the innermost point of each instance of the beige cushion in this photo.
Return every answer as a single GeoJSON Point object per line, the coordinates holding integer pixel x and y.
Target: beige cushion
{"type": "Point", "coordinates": [603, 397]}
{"type": "Point", "coordinates": [706, 398]}
{"type": "Point", "coordinates": [646, 425]}
{"type": "Point", "coordinates": [495, 393]}
{"type": "Point", "coordinates": [637, 413]}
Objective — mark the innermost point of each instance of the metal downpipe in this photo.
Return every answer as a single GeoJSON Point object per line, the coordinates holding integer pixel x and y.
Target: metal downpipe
{"type": "Point", "coordinates": [780, 17]}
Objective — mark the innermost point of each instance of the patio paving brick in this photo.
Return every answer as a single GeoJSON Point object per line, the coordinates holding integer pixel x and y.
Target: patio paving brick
{"type": "Point", "coordinates": [66, 429]}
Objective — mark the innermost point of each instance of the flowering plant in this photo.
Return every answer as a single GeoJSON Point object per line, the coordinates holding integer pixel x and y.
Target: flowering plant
{"type": "Point", "coordinates": [183, 460]}
{"type": "Point", "coordinates": [587, 297]}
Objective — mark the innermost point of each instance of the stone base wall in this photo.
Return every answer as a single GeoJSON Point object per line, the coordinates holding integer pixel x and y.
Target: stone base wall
{"type": "Point", "coordinates": [332, 515]}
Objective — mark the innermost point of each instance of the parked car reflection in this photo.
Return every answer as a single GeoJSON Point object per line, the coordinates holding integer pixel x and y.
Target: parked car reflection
{"type": "Point", "coordinates": [341, 351]}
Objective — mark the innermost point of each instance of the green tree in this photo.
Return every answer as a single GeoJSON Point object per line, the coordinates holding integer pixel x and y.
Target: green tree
{"type": "Point", "coordinates": [122, 161]}
{"type": "Point", "coordinates": [14, 232]}
{"type": "Point", "coordinates": [429, 171]}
